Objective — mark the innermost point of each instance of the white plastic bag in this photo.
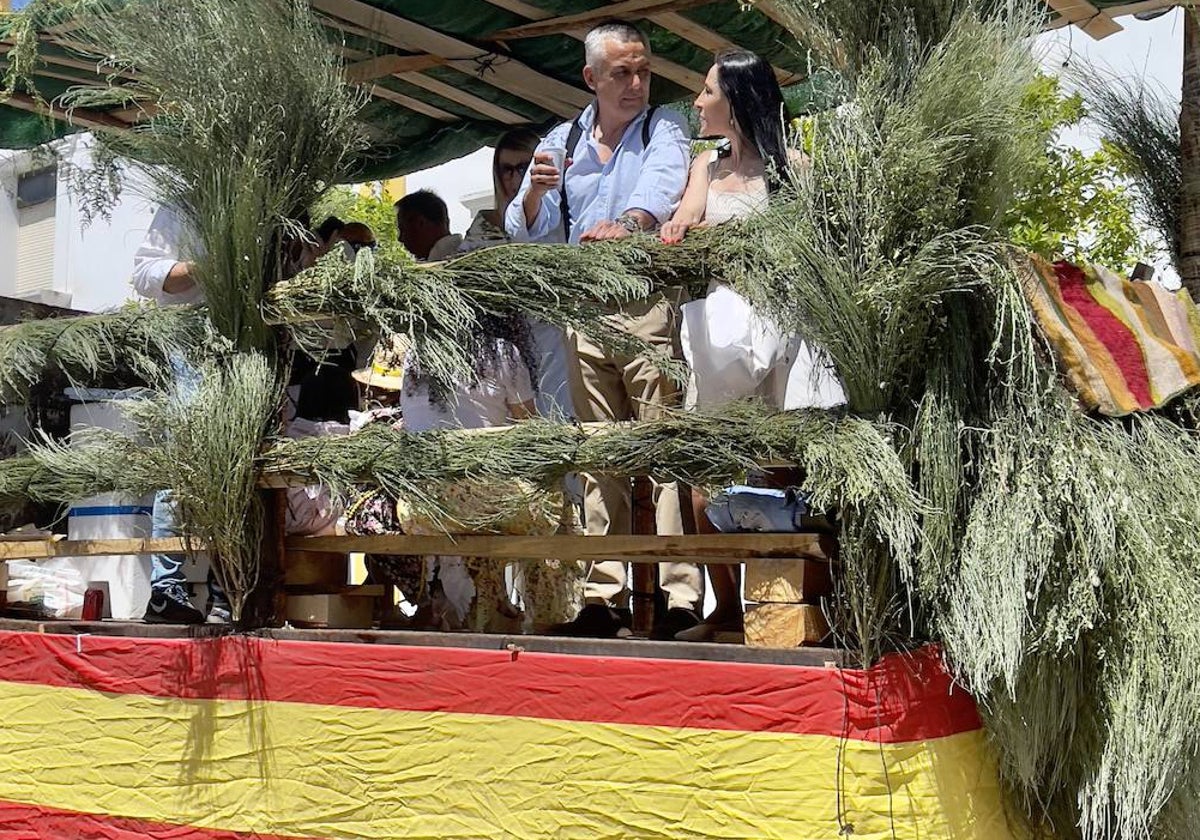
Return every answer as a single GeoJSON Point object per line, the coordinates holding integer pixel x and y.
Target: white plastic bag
{"type": "Point", "coordinates": [54, 586]}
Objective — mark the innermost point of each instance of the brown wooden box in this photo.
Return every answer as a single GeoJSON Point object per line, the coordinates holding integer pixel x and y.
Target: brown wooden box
{"type": "Point", "coordinates": [784, 625]}
{"type": "Point", "coordinates": [351, 609]}
{"type": "Point", "coordinates": [316, 568]}
{"type": "Point", "coordinates": [787, 581]}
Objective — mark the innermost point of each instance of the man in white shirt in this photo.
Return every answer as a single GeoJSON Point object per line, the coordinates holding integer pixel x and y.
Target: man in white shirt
{"type": "Point", "coordinates": [158, 271]}
{"type": "Point", "coordinates": [423, 227]}
{"type": "Point", "coordinates": [625, 169]}
{"type": "Point", "coordinates": [161, 273]}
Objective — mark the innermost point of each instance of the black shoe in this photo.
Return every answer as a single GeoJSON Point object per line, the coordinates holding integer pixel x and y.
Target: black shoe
{"type": "Point", "coordinates": [165, 610]}
{"type": "Point", "coordinates": [595, 621]}
{"type": "Point", "coordinates": [676, 620]}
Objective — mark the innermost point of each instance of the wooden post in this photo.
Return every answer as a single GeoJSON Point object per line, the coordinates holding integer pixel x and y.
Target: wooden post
{"type": "Point", "coordinates": [645, 575]}
{"type": "Point", "coordinates": [1189, 156]}
{"type": "Point", "coordinates": [266, 604]}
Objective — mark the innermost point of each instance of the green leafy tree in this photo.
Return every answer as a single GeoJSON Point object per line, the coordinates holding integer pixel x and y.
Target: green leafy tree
{"type": "Point", "coordinates": [372, 207]}
{"type": "Point", "coordinates": [1076, 205]}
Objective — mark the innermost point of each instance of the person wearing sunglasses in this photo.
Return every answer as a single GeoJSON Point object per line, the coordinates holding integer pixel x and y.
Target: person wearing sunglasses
{"type": "Point", "coordinates": [514, 151]}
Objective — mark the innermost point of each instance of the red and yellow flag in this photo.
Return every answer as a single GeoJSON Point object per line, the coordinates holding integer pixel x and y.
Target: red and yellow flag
{"type": "Point", "coordinates": [243, 737]}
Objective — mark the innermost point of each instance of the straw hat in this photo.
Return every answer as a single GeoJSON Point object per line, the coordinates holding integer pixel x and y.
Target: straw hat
{"type": "Point", "coordinates": [386, 368]}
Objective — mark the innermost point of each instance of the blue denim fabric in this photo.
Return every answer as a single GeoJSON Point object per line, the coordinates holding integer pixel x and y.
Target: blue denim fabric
{"type": "Point", "coordinates": [166, 570]}
{"type": "Point", "coordinates": [742, 508]}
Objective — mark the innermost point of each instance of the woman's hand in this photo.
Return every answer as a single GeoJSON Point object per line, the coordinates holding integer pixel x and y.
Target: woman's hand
{"type": "Point", "coordinates": [672, 232]}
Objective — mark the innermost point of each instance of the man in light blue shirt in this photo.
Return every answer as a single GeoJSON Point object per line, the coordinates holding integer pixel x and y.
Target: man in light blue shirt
{"type": "Point", "coordinates": [624, 167]}
{"type": "Point", "coordinates": [616, 183]}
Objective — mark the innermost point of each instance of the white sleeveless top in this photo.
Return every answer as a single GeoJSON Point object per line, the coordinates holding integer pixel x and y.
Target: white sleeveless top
{"type": "Point", "coordinates": [723, 205]}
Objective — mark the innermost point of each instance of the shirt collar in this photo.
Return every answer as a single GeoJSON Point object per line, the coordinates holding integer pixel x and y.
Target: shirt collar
{"type": "Point", "coordinates": [587, 120]}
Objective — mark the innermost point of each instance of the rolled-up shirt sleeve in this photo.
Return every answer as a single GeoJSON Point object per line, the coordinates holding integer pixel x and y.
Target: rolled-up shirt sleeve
{"type": "Point", "coordinates": [157, 255]}
{"type": "Point", "coordinates": [665, 167]}
{"type": "Point", "coordinates": [549, 215]}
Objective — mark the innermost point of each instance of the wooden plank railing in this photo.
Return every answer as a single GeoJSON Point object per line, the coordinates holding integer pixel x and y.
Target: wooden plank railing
{"type": "Point", "coordinates": [41, 549]}
{"type": "Point", "coordinates": [707, 548]}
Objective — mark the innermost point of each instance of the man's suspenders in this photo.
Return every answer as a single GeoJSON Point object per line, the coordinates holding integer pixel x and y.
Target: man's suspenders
{"type": "Point", "coordinates": [573, 137]}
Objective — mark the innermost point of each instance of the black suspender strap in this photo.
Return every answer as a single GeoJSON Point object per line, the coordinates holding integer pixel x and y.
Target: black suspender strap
{"type": "Point", "coordinates": [646, 126]}
{"type": "Point", "coordinates": [572, 141]}
{"type": "Point", "coordinates": [573, 137]}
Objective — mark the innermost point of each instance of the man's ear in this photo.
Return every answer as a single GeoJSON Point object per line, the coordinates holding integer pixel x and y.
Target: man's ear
{"type": "Point", "coordinates": [589, 77]}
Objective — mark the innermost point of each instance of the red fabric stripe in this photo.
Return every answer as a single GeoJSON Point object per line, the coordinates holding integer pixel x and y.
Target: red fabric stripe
{"type": "Point", "coordinates": [1122, 344]}
{"type": "Point", "coordinates": [34, 822]}
{"type": "Point", "coordinates": [904, 698]}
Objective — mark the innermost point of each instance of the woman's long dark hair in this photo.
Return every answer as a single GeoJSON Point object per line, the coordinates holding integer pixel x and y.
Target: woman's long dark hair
{"type": "Point", "coordinates": [748, 83]}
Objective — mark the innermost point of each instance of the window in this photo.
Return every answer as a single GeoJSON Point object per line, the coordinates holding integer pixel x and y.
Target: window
{"type": "Point", "coordinates": [36, 187]}
{"type": "Point", "coordinates": [35, 232]}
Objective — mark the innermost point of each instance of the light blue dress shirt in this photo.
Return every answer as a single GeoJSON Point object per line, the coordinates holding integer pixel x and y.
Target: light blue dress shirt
{"type": "Point", "coordinates": [636, 177]}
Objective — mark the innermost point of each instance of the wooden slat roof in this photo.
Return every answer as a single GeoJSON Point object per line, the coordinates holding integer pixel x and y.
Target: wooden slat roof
{"type": "Point", "coordinates": [446, 77]}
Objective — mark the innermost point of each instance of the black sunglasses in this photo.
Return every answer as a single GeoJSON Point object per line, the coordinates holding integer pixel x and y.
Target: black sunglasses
{"type": "Point", "coordinates": [506, 169]}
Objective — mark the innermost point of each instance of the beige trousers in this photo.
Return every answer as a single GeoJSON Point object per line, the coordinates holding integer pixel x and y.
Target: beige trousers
{"type": "Point", "coordinates": [608, 387]}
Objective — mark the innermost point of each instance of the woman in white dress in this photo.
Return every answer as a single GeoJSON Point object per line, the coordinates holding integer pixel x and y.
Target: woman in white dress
{"type": "Point", "coordinates": [733, 351]}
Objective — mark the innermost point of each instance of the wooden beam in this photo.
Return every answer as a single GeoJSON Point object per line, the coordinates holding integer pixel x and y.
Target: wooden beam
{"type": "Point", "coordinates": [500, 71]}
{"type": "Point", "coordinates": [1087, 17]}
{"type": "Point", "coordinates": [137, 113]}
{"type": "Point", "coordinates": [707, 548]}
{"type": "Point", "coordinates": [522, 9]}
{"type": "Point", "coordinates": [677, 73]}
{"type": "Point", "coordinates": [388, 65]}
{"type": "Point", "coordinates": [626, 9]}
{"type": "Point", "coordinates": [772, 11]}
{"type": "Point", "coordinates": [73, 63]}
{"type": "Point", "coordinates": [1145, 6]}
{"type": "Point", "coordinates": [408, 67]}
{"type": "Point", "coordinates": [481, 106]}
{"type": "Point", "coordinates": [81, 117]}
{"type": "Point", "coordinates": [64, 77]}
{"type": "Point", "coordinates": [45, 549]}
{"type": "Point", "coordinates": [687, 28]}
{"type": "Point", "coordinates": [673, 22]}
{"type": "Point", "coordinates": [63, 28]}
{"type": "Point", "coordinates": [351, 54]}
{"type": "Point", "coordinates": [96, 64]}
{"type": "Point", "coordinates": [712, 41]}
{"type": "Point", "coordinates": [412, 104]}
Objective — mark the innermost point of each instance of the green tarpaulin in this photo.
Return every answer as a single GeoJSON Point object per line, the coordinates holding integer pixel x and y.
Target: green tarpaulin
{"type": "Point", "coordinates": [486, 78]}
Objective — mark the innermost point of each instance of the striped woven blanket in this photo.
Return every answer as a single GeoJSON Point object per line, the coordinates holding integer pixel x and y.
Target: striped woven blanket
{"type": "Point", "coordinates": [1125, 346]}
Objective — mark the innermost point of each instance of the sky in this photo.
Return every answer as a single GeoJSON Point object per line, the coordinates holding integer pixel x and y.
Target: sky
{"type": "Point", "coordinates": [1145, 49]}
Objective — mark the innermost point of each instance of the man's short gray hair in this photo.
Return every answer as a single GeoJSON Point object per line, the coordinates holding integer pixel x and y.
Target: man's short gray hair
{"type": "Point", "coordinates": [615, 30]}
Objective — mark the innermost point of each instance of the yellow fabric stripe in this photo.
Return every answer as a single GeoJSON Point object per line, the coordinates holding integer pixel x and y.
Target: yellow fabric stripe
{"type": "Point", "coordinates": [326, 771]}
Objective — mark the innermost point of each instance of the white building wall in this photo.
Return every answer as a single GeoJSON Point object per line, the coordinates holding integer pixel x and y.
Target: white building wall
{"type": "Point", "coordinates": [8, 221]}
{"type": "Point", "coordinates": [92, 262]}
{"type": "Point", "coordinates": [460, 183]}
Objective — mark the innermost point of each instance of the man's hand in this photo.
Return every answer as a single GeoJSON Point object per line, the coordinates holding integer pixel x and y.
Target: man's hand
{"type": "Point", "coordinates": [543, 174]}
{"type": "Point", "coordinates": [179, 279]}
{"type": "Point", "coordinates": [605, 230]}
{"type": "Point", "coordinates": [543, 177]}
